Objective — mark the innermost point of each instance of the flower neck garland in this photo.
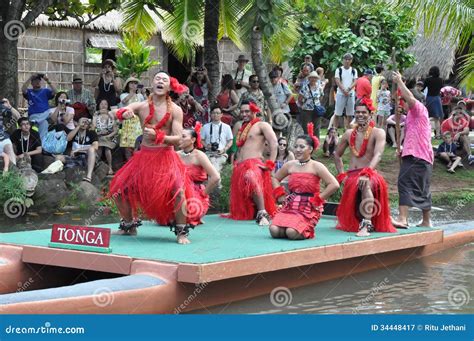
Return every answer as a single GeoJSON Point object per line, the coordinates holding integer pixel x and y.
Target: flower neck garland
{"type": "Point", "coordinates": [244, 130]}
{"type": "Point", "coordinates": [363, 147]}
{"type": "Point", "coordinates": [160, 135]}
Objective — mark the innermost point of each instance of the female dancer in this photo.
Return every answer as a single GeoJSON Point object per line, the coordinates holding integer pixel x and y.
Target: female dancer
{"type": "Point", "coordinates": [304, 205]}
{"type": "Point", "coordinates": [199, 169]}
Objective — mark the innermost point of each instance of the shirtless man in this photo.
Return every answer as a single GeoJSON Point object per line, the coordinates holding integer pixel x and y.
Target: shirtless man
{"type": "Point", "coordinates": [251, 193]}
{"type": "Point", "coordinates": [153, 180]}
{"type": "Point", "coordinates": [364, 205]}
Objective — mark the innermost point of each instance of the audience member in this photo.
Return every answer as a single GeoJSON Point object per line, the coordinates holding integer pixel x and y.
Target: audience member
{"type": "Point", "coordinates": [241, 75]}
{"type": "Point", "coordinates": [281, 92]}
{"type": "Point", "coordinates": [82, 100]}
{"type": "Point", "coordinates": [107, 86]}
{"type": "Point", "coordinates": [376, 80]}
{"type": "Point", "coordinates": [363, 85]}
{"type": "Point", "coordinates": [84, 147]}
{"type": "Point", "coordinates": [391, 128]}
{"type": "Point", "coordinates": [383, 104]}
{"type": "Point", "coordinates": [63, 113]}
{"type": "Point", "coordinates": [8, 118]}
{"type": "Point", "coordinates": [345, 78]}
{"type": "Point", "coordinates": [446, 152]}
{"type": "Point", "coordinates": [27, 145]}
{"type": "Point", "coordinates": [217, 137]}
{"type": "Point", "coordinates": [104, 125]}
{"type": "Point", "coordinates": [227, 99]}
{"type": "Point", "coordinates": [38, 97]}
{"type": "Point", "coordinates": [311, 110]}
{"type": "Point", "coordinates": [255, 94]}
{"type": "Point", "coordinates": [284, 154]}
{"type": "Point", "coordinates": [330, 142]}
{"type": "Point", "coordinates": [433, 99]}
{"type": "Point", "coordinates": [458, 125]}
{"type": "Point", "coordinates": [417, 91]}
{"type": "Point", "coordinates": [199, 87]}
{"type": "Point", "coordinates": [308, 61]}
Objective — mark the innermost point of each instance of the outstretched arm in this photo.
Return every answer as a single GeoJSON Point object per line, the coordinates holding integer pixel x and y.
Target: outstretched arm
{"type": "Point", "coordinates": [341, 148]}
{"type": "Point", "coordinates": [406, 94]}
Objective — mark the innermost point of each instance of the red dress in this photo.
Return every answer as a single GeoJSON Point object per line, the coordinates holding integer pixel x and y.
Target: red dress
{"type": "Point", "coordinates": [198, 204]}
{"type": "Point", "coordinates": [299, 212]}
{"type": "Point", "coordinates": [348, 211]}
{"type": "Point", "coordinates": [247, 179]}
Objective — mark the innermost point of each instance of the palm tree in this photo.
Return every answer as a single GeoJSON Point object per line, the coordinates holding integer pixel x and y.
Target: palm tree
{"type": "Point", "coordinates": [459, 18]}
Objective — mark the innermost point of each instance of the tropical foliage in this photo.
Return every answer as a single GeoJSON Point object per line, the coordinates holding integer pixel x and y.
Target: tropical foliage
{"type": "Point", "coordinates": [134, 58]}
{"type": "Point", "coordinates": [368, 33]}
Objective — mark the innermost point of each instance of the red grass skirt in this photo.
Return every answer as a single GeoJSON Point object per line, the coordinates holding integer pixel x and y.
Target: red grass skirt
{"type": "Point", "coordinates": [151, 181]}
{"type": "Point", "coordinates": [300, 214]}
{"type": "Point", "coordinates": [197, 205]}
{"type": "Point", "coordinates": [348, 211]}
{"type": "Point", "coordinates": [249, 178]}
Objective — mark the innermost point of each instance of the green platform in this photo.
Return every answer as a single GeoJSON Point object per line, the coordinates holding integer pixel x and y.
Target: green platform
{"type": "Point", "coordinates": [217, 240]}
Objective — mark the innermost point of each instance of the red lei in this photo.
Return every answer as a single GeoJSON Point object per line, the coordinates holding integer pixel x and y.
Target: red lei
{"type": "Point", "coordinates": [363, 147]}
{"type": "Point", "coordinates": [244, 131]}
{"type": "Point", "coordinates": [160, 135]}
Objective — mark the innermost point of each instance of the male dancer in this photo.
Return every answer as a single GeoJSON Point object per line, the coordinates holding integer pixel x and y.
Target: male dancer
{"type": "Point", "coordinates": [154, 179]}
{"type": "Point", "coordinates": [364, 205]}
{"type": "Point", "coordinates": [251, 192]}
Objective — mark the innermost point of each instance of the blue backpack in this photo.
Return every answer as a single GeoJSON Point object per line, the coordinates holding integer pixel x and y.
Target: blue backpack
{"type": "Point", "coordinates": [55, 142]}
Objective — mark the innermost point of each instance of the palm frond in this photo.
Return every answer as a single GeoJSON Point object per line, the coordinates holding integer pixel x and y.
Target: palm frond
{"type": "Point", "coordinates": [137, 19]}
{"type": "Point", "coordinates": [184, 27]}
{"type": "Point", "coordinates": [229, 14]}
{"type": "Point", "coordinates": [466, 72]}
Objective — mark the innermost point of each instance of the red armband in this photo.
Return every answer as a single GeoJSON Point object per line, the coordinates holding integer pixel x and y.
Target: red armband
{"type": "Point", "coordinates": [119, 114]}
{"type": "Point", "coordinates": [160, 136]}
{"type": "Point", "coordinates": [278, 192]}
{"type": "Point", "coordinates": [368, 172]}
{"type": "Point", "coordinates": [317, 201]}
{"type": "Point", "coordinates": [270, 164]}
{"type": "Point", "coordinates": [341, 177]}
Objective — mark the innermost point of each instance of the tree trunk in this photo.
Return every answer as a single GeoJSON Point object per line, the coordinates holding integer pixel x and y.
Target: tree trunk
{"type": "Point", "coordinates": [280, 121]}
{"type": "Point", "coordinates": [9, 69]}
{"type": "Point", "coordinates": [211, 51]}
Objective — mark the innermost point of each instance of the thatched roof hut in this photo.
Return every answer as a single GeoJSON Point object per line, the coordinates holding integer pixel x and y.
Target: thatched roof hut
{"type": "Point", "coordinates": [435, 50]}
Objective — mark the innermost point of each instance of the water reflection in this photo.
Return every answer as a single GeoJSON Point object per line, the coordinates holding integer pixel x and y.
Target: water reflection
{"type": "Point", "coordinates": [439, 284]}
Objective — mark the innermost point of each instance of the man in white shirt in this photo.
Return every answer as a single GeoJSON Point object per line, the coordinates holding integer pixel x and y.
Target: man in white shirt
{"type": "Point", "coordinates": [345, 77]}
{"type": "Point", "coordinates": [218, 138]}
{"type": "Point", "coordinates": [241, 75]}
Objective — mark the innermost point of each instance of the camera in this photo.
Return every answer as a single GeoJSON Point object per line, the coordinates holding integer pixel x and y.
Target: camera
{"type": "Point", "coordinates": [238, 85]}
{"type": "Point", "coordinates": [64, 101]}
{"type": "Point", "coordinates": [214, 146]}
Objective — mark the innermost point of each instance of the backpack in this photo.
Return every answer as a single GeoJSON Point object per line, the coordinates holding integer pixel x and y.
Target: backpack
{"type": "Point", "coordinates": [339, 69]}
{"type": "Point", "coordinates": [55, 142]}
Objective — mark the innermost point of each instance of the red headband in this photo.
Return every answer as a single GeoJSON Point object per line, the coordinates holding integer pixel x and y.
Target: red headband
{"type": "Point", "coordinates": [197, 129]}
{"type": "Point", "coordinates": [175, 86]}
{"type": "Point", "coordinates": [254, 108]}
{"type": "Point", "coordinates": [310, 128]}
{"type": "Point", "coordinates": [367, 102]}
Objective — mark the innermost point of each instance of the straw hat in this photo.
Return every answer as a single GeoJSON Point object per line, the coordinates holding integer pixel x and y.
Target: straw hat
{"type": "Point", "coordinates": [313, 74]}
{"type": "Point", "coordinates": [131, 79]}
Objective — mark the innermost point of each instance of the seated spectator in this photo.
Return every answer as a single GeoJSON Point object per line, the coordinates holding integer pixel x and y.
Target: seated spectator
{"type": "Point", "coordinates": [27, 145]}
{"type": "Point", "coordinates": [458, 125]}
{"type": "Point", "coordinates": [255, 94]}
{"type": "Point", "coordinates": [63, 113]}
{"type": "Point", "coordinates": [283, 154]}
{"type": "Point", "coordinates": [447, 153]}
{"type": "Point", "coordinates": [38, 97]}
{"type": "Point", "coordinates": [227, 99]}
{"type": "Point", "coordinates": [330, 143]}
{"type": "Point", "coordinates": [8, 118]}
{"type": "Point", "coordinates": [131, 128]}
{"type": "Point", "coordinates": [81, 99]}
{"type": "Point", "coordinates": [391, 128]}
{"type": "Point", "coordinates": [104, 125]}
{"type": "Point", "coordinates": [217, 138]}
{"type": "Point", "coordinates": [84, 147]}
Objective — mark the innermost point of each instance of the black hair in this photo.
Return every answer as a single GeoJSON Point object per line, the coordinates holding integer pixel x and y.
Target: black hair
{"type": "Point", "coordinates": [193, 133]}
{"type": "Point", "coordinates": [434, 71]}
{"type": "Point", "coordinates": [56, 98]}
{"type": "Point", "coordinates": [359, 103]}
{"type": "Point", "coordinates": [307, 139]}
{"type": "Point", "coordinates": [127, 88]}
{"type": "Point", "coordinates": [247, 102]}
{"type": "Point", "coordinates": [253, 76]}
{"type": "Point", "coordinates": [379, 68]}
{"type": "Point", "coordinates": [287, 147]}
{"type": "Point", "coordinates": [228, 82]}
{"type": "Point", "coordinates": [22, 119]}
{"type": "Point", "coordinates": [215, 105]}
{"type": "Point", "coordinates": [108, 105]}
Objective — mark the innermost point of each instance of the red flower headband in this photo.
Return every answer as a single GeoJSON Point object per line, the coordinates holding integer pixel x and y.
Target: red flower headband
{"type": "Point", "coordinates": [254, 108]}
{"type": "Point", "coordinates": [310, 128]}
{"type": "Point", "coordinates": [366, 102]}
{"type": "Point", "coordinates": [175, 86]}
{"type": "Point", "coordinates": [197, 129]}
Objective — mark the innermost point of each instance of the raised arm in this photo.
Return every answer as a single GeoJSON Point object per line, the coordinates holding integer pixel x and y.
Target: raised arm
{"type": "Point", "coordinates": [341, 148]}
{"type": "Point", "coordinates": [24, 86]}
{"type": "Point", "coordinates": [407, 95]}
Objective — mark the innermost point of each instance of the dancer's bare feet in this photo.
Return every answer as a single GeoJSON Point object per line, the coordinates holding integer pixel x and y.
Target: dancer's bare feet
{"type": "Point", "coordinates": [263, 218]}
{"type": "Point", "coordinates": [398, 224]}
{"type": "Point", "coordinates": [365, 228]}
{"type": "Point", "coordinates": [183, 239]}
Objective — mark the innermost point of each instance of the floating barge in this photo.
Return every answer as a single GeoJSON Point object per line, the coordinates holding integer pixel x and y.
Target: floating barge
{"type": "Point", "coordinates": [227, 261]}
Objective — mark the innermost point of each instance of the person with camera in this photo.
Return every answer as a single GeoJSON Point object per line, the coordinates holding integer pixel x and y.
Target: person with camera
{"type": "Point", "coordinates": [63, 114]}
{"type": "Point", "coordinates": [38, 97]}
{"type": "Point", "coordinates": [192, 110]}
{"type": "Point", "coordinates": [27, 145]}
{"type": "Point", "coordinates": [241, 75]}
{"type": "Point", "coordinates": [199, 87]}
{"type": "Point", "coordinates": [85, 144]}
{"type": "Point", "coordinates": [107, 86]}
{"type": "Point", "coordinates": [81, 99]}
{"type": "Point", "coordinates": [8, 118]}
{"type": "Point", "coordinates": [217, 137]}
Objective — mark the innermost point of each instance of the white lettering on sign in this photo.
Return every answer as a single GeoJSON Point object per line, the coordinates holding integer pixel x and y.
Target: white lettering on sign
{"type": "Point", "coordinates": [61, 230]}
{"type": "Point", "coordinates": [80, 236]}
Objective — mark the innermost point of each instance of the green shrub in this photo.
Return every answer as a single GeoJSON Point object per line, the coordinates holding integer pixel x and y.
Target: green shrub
{"type": "Point", "coordinates": [222, 203]}
{"type": "Point", "coordinates": [12, 187]}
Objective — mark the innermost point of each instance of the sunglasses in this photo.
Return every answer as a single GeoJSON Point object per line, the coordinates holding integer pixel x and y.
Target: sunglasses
{"type": "Point", "coordinates": [254, 82]}
{"type": "Point", "coordinates": [282, 144]}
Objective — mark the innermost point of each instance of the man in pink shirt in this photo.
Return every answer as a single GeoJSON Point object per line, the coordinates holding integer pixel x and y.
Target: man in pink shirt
{"type": "Point", "coordinates": [364, 86]}
{"type": "Point", "coordinates": [417, 160]}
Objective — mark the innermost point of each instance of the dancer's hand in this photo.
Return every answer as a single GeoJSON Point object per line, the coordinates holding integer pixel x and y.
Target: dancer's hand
{"type": "Point", "coordinates": [128, 114]}
{"type": "Point", "coordinates": [363, 182]}
{"type": "Point", "coordinates": [149, 134]}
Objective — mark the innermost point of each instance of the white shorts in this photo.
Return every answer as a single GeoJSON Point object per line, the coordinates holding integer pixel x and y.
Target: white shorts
{"type": "Point", "coordinates": [4, 143]}
{"type": "Point", "coordinates": [346, 102]}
